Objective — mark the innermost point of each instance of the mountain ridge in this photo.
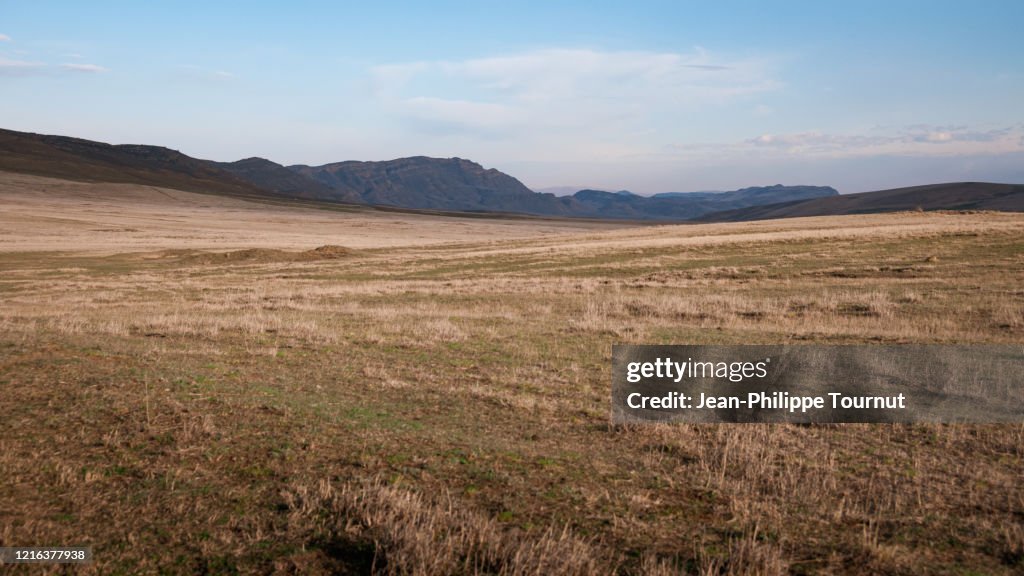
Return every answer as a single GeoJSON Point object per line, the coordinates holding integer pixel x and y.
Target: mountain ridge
{"type": "Point", "coordinates": [80, 159]}
{"type": "Point", "coordinates": [396, 183]}
{"type": "Point", "coordinates": [459, 185]}
{"type": "Point", "coordinates": [274, 177]}
{"type": "Point", "coordinates": [428, 183]}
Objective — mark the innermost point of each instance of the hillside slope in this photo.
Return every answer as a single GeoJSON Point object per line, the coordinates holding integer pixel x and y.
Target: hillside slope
{"type": "Point", "coordinates": [950, 196]}
{"type": "Point", "coordinates": [86, 160]}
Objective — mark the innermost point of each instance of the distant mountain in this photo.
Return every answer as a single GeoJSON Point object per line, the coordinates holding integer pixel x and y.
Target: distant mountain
{"type": "Point", "coordinates": [685, 194]}
{"type": "Point", "coordinates": [280, 180]}
{"type": "Point", "coordinates": [756, 195]}
{"type": "Point", "coordinates": [447, 184]}
{"type": "Point", "coordinates": [951, 196]}
{"type": "Point", "coordinates": [77, 159]}
{"type": "Point", "coordinates": [559, 190]}
{"type": "Point", "coordinates": [435, 184]}
{"type": "Point", "coordinates": [456, 184]}
{"type": "Point", "coordinates": [687, 206]}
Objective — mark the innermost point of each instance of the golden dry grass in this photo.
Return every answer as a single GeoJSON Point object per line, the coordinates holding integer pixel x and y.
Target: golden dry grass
{"type": "Point", "coordinates": [47, 214]}
{"type": "Point", "coordinates": [439, 403]}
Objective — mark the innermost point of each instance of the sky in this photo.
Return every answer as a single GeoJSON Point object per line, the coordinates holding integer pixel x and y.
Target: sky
{"type": "Point", "coordinates": [645, 96]}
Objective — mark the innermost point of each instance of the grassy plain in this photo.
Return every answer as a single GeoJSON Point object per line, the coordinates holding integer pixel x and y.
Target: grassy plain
{"type": "Point", "coordinates": [189, 387]}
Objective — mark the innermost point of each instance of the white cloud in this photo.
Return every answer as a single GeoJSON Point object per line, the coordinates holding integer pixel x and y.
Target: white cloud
{"type": "Point", "coordinates": [87, 68]}
{"type": "Point", "coordinates": [567, 91]}
{"type": "Point", "coordinates": [203, 74]}
{"type": "Point", "coordinates": [10, 67]}
{"type": "Point", "coordinates": [647, 121]}
{"type": "Point", "coordinates": [5, 38]}
{"type": "Point", "coordinates": [916, 140]}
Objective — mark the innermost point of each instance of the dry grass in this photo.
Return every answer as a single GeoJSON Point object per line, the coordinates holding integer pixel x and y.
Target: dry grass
{"type": "Point", "coordinates": [444, 408]}
{"type": "Point", "coordinates": [47, 214]}
{"type": "Point", "coordinates": [412, 534]}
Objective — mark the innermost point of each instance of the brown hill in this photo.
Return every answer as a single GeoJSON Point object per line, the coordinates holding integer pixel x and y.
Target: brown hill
{"type": "Point", "coordinates": [86, 160]}
{"type": "Point", "coordinates": [951, 196]}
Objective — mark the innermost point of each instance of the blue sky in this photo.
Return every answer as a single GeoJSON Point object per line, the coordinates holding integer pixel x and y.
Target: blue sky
{"type": "Point", "coordinates": [646, 96]}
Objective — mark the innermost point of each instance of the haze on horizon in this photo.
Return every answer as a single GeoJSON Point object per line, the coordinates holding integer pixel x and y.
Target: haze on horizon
{"type": "Point", "coordinates": [650, 97]}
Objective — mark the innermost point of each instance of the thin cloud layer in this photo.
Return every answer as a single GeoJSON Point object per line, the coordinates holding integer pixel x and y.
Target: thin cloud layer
{"type": "Point", "coordinates": [9, 67]}
{"type": "Point", "coordinates": [916, 140]}
{"type": "Point", "coordinates": [630, 115]}
{"type": "Point", "coordinates": [564, 89]}
{"type": "Point", "coordinates": [14, 68]}
{"type": "Point", "coordinates": [87, 68]}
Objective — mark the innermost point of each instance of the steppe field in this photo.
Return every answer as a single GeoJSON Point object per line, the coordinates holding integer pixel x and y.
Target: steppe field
{"type": "Point", "coordinates": [209, 385]}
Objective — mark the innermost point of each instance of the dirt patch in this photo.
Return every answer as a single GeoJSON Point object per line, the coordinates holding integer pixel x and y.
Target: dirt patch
{"type": "Point", "coordinates": [326, 252]}
{"type": "Point", "coordinates": [247, 255]}
{"type": "Point", "coordinates": [260, 255]}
